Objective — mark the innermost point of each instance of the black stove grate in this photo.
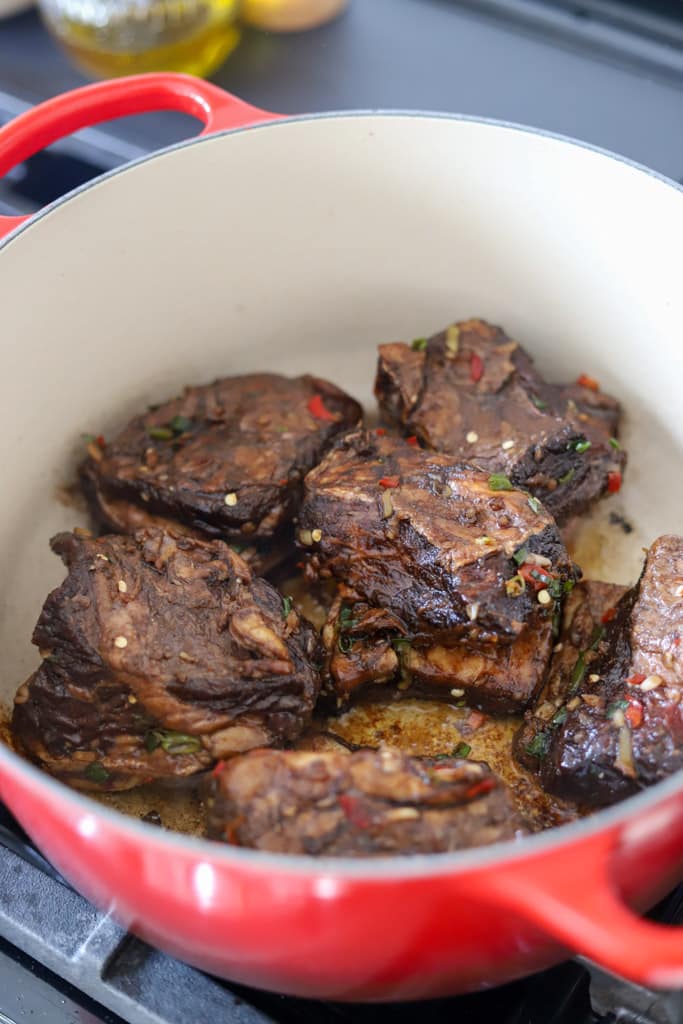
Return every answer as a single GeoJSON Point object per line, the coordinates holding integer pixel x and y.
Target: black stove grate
{"type": "Point", "coordinates": [62, 958]}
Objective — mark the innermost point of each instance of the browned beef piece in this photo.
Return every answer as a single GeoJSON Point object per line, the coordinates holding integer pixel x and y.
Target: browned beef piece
{"type": "Point", "coordinates": [621, 728]}
{"type": "Point", "coordinates": [431, 539]}
{"type": "Point", "coordinates": [472, 392]}
{"type": "Point", "coordinates": [581, 630]}
{"type": "Point", "coordinates": [358, 804]}
{"type": "Point", "coordinates": [225, 459]}
{"type": "Point", "coordinates": [161, 653]}
{"type": "Point", "coordinates": [368, 655]}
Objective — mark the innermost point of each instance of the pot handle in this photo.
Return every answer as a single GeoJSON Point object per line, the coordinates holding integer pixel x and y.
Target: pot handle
{"type": "Point", "coordinates": [575, 900]}
{"type": "Point", "coordinates": [137, 94]}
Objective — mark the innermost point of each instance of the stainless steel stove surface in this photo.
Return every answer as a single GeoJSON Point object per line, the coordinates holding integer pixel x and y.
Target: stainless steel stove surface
{"type": "Point", "coordinates": [607, 71]}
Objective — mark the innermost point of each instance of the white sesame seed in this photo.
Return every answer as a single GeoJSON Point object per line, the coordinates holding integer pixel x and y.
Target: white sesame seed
{"type": "Point", "coordinates": [472, 437]}
{"type": "Point", "coordinates": [472, 611]}
{"type": "Point", "coordinates": [230, 499]}
{"type": "Point", "coordinates": [316, 535]}
{"type": "Point", "coordinates": [507, 445]}
{"type": "Point", "coordinates": [120, 641]}
{"type": "Point", "coordinates": [132, 699]}
{"type": "Point", "coordinates": [594, 678]}
{"type": "Point", "coordinates": [651, 683]}
{"type": "Point", "coordinates": [544, 597]}
{"type": "Point", "coordinates": [123, 587]}
{"type": "Point", "coordinates": [557, 648]}
{"type": "Point", "coordinates": [668, 659]}
{"type": "Point", "coordinates": [457, 693]}
{"type": "Point", "coordinates": [678, 592]}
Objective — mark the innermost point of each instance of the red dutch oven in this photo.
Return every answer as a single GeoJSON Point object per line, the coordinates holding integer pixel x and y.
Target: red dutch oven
{"type": "Point", "coordinates": [296, 245]}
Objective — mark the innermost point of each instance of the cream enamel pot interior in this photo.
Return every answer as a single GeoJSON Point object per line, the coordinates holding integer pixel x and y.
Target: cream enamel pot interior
{"type": "Point", "coordinates": [296, 246]}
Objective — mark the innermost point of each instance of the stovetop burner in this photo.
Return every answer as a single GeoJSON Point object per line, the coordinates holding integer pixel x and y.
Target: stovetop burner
{"type": "Point", "coordinates": [64, 962]}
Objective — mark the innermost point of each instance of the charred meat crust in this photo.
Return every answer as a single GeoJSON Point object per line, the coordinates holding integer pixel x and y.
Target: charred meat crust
{"type": "Point", "coordinates": [225, 459]}
{"type": "Point", "coordinates": [427, 537]}
{"type": "Point", "coordinates": [367, 655]}
{"type": "Point", "coordinates": [474, 393]}
{"type": "Point", "coordinates": [622, 730]}
{"type": "Point", "coordinates": [360, 804]}
{"type": "Point", "coordinates": [154, 636]}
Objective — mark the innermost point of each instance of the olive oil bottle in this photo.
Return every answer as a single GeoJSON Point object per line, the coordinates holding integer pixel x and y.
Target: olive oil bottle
{"type": "Point", "coordinates": [108, 38]}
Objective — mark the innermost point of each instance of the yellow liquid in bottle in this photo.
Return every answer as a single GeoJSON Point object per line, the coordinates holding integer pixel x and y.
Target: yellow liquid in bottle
{"type": "Point", "coordinates": [108, 39]}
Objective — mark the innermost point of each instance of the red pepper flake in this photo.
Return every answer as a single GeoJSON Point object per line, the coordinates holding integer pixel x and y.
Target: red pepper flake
{"type": "Point", "coordinates": [220, 765]}
{"type": "Point", "coordinates": [390, 481]}
{"type": "Point", "coordinates": [412, 440]}
{"type": "Point", "coordinates": [380, 431]}
{"type": "Point", "coordinates": [475, 719]}
{"type": "Point", "coordinates": [300, 565]}
{"type": "Point", "coordinates": [634, 713]}
{"type": "Point", "coordinates": [585, 381]}
{"type": "Point", "coordinates": [317, 408]}
{"type": "Point", "coordinates": [614, 481]}
{"type": "Point", "coordinates": [535, 576]}
{"type": "Point", "coordinates": [608, 616]}
{"type": "Point", "coordinates": [99, 440]}
{"type": "Point", "coordinates": [283, 482]}
{"type": "Point", "coordinates": [476, 367]}
{"type": "Point", "coordinates": [351, 807]}
{"type": "Point", "coordinates": [485, 786]}
{"type": "Point", "coordinates": [676, 641]}
{"type": "Point", "coordinates": [636, 679]}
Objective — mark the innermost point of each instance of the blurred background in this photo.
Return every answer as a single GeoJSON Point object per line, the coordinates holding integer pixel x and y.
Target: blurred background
{"type": "Point", "coordinates": [609, 72]}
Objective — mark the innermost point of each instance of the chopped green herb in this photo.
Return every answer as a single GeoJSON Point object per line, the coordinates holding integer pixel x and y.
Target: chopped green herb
{"type": "Point", "coordinates": [580, 446]}
{"type": "Point", "coordinates": [534, 504]}
{"type": "Point", "coordinates": [616, 705]}
{"type": "Point", "coordinates": [400, 643]}
{"type": "Point", "coordinates": [418, 344]}
{"type": "Point", "coordinates": [172, 742]}
{"type": "Point", "coordinates": [569, 475]}
{"type": "Point", "coordinates": [499, 482]}
{"type": "Point", "coordinates": [538, 402]}
{"type": "Point", "coordinates": [559, 717]}
{"type": "Point", "coordinates": [539, 745]}
{"type": "Point", "coordinates": [614, 443]}
{"type": "Point", "coordinates": [462, 750]}
{"type": "Point", "coordinates": [520, 556]}
{"type": "Point", "coordinates": [578, 672]}
{"type": "Point", "coordinates": [160, 433]}
{"type": "Point", "coordinates": [461, 703]}
{"type": "Point", "coordinates": [515, 586]}
{"type": "Point", "coordinates": [346, 619]}
{"type": "Point", "coordinates": [238, 548]}
{"type": "Point", "coordinates": [181, 424]}
{"type": "Point", "coordinates": [96, 772]}
{"type": "Point", "coordinates": [345, 643]}
{"type": "Point", "coordinates": [598, 634]}
{"type": "Point", "coordinates": [287, 603]}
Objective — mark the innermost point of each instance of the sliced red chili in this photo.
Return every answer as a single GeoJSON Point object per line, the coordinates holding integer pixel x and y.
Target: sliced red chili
{"type": "Point", "coordinates": [614, 481]}
{"type": "Point", "coordinates": [535, 576]}
{"type": "Point", "coordinates": [220, 765]}
{"type": "Point", "coordinates": [476, 367]}
{"type": "Point", "coordinates": [636, 679]}
{"type": "Point", "coordinates": [100, 441]}
{"type": "Point", "coordinates": [412, 440]}
{"type": "Point", "coordinates": [390, 481]}
{"type": "Point", "coordinates": [475, 719]}
{"type": "Point", "coordinates": [380, 431]}
{"type": "Point", "coordinates": [608, 616]}
{"type": "Point", "coordinates": [353, 810]}
{"type": "Point", "coordinates": [585, 381]}
{"type": "Point", "coordinates": [634, 713]}
{"type": "Point", "coordinates": [485, 786]}
{"type": "Point", "coordinates": [317, 408]}
{"type": "Point", "coordinates": [283, 482]}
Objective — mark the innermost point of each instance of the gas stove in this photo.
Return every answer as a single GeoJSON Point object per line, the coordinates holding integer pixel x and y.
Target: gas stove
{"type": "Point", "coordinates": [64, 962]}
